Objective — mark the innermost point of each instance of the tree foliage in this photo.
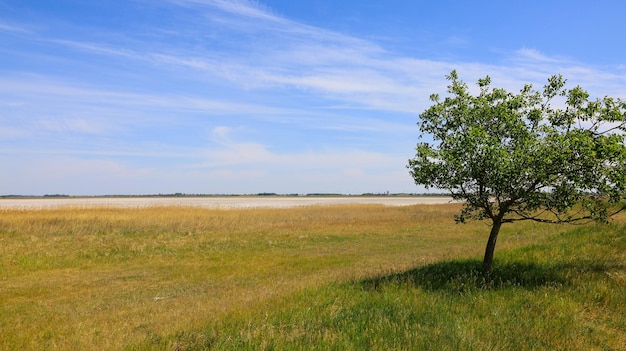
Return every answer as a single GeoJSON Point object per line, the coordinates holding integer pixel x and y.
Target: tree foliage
{"type": "Point", "coordinates": [552, 155]}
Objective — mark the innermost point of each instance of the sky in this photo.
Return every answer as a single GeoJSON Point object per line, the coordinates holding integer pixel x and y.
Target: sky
{"type": "Point", "coordinates": [138, 97]}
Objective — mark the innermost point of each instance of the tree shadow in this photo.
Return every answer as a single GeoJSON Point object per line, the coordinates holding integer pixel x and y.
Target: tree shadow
{"type": "Point", "coordinates": [463, 276]}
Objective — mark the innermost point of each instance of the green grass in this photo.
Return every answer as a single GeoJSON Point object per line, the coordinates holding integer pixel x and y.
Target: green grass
{"type": "Point", "coordinates": [326, 277]}
{"type": "Point", "coordinates": [566, 293]}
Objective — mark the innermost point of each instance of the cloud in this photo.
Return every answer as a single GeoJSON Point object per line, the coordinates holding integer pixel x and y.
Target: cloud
{"type": "Point", "coordinates": [72, 125]}
{"type": "Point", "coordinates": [96, 48]}
{"type": "Point", "coordinates": [221, 132]}
{"type": "Point", "coordinates": [243, 8]}
{"type": "Point", "coordinates": [58, 91]}
{"type": "Point", "coordinates": [228, 96]}
{"type": "Point", "coordinates": [361, 73]}
{"type": "Point", "coordinates": [230, 153]}
{"type": "Point", "coordinates": [5, 27]}
{"type": "Point", "coordinates": [535, 56]}
{"type": "Point", "coordinates": [281, 53]}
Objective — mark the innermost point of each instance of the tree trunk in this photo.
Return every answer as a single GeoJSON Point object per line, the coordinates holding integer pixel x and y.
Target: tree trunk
{"type": "Point", "coordinates": [491, 245]}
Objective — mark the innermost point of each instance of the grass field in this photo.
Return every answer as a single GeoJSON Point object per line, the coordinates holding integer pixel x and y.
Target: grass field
{"type": "Point", "coordinates": [350, 277]}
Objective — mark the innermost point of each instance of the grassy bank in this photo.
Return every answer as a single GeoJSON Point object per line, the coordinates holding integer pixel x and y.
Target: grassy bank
{"type": "Point", "coordinates": [333, 277]}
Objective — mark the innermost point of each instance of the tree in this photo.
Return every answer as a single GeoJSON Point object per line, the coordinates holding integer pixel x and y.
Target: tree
{"type": "Point", "coordinates": [515, 157]}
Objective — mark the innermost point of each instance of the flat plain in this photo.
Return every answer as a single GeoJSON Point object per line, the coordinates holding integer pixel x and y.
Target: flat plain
{"type": "Point", "coordinates": [324, 277]}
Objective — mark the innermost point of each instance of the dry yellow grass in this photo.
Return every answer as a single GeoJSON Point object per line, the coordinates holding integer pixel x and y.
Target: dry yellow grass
{"type": "Point", "coordinates": [103, 278]}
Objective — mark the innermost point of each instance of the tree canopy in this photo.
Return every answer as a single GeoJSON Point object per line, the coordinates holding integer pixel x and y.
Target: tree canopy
{"type": "Point", "coordinates": [551, 156]}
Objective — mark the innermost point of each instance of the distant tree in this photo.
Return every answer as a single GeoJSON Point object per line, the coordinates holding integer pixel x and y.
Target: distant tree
{"type": "Point", "coordinates": [515, 157]}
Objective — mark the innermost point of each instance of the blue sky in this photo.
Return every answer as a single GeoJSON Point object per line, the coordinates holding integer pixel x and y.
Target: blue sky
{"type": "Point", "coordinates": [238, 97]}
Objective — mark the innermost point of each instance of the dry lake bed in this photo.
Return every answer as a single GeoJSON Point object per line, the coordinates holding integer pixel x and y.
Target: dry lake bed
{"type": "Point", "coordinates": [217, 201]}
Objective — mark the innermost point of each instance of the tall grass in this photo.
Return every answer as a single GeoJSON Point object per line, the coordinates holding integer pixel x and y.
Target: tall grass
{"type": "Point", "coordinates": [176, 277]}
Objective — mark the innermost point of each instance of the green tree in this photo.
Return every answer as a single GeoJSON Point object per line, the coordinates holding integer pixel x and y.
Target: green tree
{"type": "Point", "coordinates": [514, 157]}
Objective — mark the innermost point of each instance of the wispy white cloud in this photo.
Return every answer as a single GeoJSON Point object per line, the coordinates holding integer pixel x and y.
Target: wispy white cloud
{"type": "Point", "coordinates": [97, 48]}
{"type": "Point", "coordinates": [285, 53]}
{"type": "Point", "coordinates": [55, 88]}
{"type": "Point", "coordinates": [244, 8]}
{"type": "Point", "coordinates": [361, 73]}
{"type": "Point", "coordinates": [208, 107]}
{"type": "Point", "coordinates": [72, 125]}
{"type": "Point", "coordinates": [535, 56]}
{"type": "Point", "coordinates": [6, 27]}
{"type": "Point", "coordinates": [230, 152]}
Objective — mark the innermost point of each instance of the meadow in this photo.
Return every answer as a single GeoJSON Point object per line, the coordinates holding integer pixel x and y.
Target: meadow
{"type": "Point", "coordinates": [346, 277]}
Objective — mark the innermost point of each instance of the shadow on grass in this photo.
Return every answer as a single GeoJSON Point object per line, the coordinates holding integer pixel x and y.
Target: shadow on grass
{"type": "Point", "coordinates": [462, 276]}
